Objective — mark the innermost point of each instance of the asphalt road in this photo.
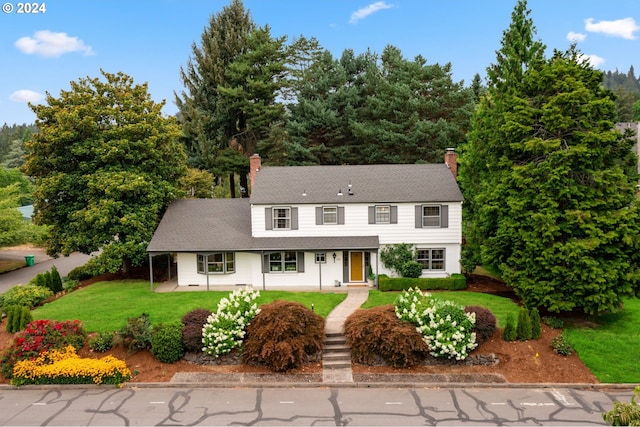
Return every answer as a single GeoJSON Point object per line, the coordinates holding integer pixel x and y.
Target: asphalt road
{"type": "Point", "coordinates": [131, 405]}
{"type": "Point", "coordinates": [43, 263]}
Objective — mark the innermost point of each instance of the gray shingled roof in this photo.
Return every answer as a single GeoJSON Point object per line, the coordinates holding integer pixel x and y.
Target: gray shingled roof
{"type": "Point", "coordinates": [203, 225]}
{"type": "Point", "coordinates": [369, 184]}
{"type": "Point", "coordinates": [192, 225]}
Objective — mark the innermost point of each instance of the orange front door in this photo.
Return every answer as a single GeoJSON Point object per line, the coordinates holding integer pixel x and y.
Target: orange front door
{"type": "Point", "coordinates": [357, 267]}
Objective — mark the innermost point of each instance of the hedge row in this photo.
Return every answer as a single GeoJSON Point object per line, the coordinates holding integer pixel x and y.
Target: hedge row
{"type": "Point", "coordinates": [455, 282]}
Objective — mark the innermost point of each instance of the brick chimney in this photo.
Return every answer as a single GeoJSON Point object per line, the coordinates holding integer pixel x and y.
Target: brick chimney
{"type": "Point", "coordinates": [451, 160]}
{"type": "Point", "coordinates": [254, 166]}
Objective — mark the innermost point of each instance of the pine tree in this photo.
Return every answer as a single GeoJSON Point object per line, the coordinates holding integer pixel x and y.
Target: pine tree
{"type": "Point", "coordinates": [523, 330]}
{"type": "Point", "coordinates": [536, 325]}
{"type": "Point", "coordinates": [509, 331]}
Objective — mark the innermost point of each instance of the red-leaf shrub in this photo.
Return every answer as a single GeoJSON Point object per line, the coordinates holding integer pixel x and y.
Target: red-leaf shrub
{"type": "Point", "coordinates": [193, 322]}
{"type": "Point", "coordinates": [485, 322]}
{"type": "Point", "coordinates": [283, 336]}
{"type": "Point", "coordinates": [376, 334]}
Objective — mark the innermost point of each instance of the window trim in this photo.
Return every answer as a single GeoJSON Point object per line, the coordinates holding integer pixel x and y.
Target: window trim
{"type": "Point", "coordinates": [268, 262]}
{"type": "Point", "coordinates": [227, 258]}
{"type": "Point", "coordinates": [438, 216]}
{"type": "Point", "coordinates": [430, 260]}
{"type": "Point", "coordinates": [275, 219]}
{"type": "Point", "coordinates": [376, 214]}
{"type": "Point", "coordinates": [324, 215]}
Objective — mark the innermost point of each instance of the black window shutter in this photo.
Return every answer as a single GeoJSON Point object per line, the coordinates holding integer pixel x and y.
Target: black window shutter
{"type": "Point", "coordinates": [300, 259]}
{"type": "Point", "coordinates": [418, 216]}
{"type": "Point", "coordinates": [319, 215]}
{"type": "Point", "coordinates": [372, 214]}
{"type": "Point", "coordinates": [268, 219]}
{"type": "Point", "coordinates": [265, 263]}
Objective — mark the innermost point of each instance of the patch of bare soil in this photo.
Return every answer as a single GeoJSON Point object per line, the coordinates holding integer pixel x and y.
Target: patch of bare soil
{"type": "Point", "coordinates": [518, 362]}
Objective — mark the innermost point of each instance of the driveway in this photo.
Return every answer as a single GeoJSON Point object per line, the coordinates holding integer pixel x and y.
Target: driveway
{"type": "Point", "coordinates": [43, 263]}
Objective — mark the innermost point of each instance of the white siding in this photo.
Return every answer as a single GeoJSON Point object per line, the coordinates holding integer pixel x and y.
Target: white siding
{"type": "Point", "coordinates": [357, 224]}
{"type": "Point", "coordinates": [188, 271]}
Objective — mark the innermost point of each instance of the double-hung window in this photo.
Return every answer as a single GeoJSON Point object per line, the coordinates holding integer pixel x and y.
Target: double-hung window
{"type": "Point", "coordinates": [431, 259]}
{"type": "Point", "coordinates": [329, 215]}
{"type": "Point", "coordinates": [216, 263]}
{"type": "Point", "coordinates": [383, 214]}
{"type": "Point", "coordinates": [282, 218]}
{"type": "Point", "coordinates": [431, 216]}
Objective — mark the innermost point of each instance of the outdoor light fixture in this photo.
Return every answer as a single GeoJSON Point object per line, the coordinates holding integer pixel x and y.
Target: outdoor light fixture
{"type": "Point", "coordinates": [334, 257]}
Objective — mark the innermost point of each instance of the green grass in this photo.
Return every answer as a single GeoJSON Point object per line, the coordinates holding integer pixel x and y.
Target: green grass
{"type": "Point", "coordinates": [499, 306]}
{"type": "Point", "coordinates": [106, 306]}
{"type": "Point", "coordinates": [610, 347]}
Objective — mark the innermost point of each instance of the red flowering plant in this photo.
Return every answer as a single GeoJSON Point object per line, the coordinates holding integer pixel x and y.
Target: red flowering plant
{"type": "Point", "coordinates": [40, 336]}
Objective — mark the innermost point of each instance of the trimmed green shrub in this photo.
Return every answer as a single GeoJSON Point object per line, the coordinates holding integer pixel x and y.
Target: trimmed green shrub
{"type": "Point", "coordinates": [412, 269]}
{"type": "Point", "coordinates": [455, 282]}
{"type": "Point", "coordinates": [193, 323]}
{"type": "Point", "coordinates": [166, 342]}
{"type": "Point", "coordinates": [509, 331]}
{"type": "Point", "coordinates": [102, 342]}
{"type": "Point", "coordinates": [27, 295]}
{"type": "Point", "coordinates": [283, 336]}
{"type": "Point", "coordinates": [561, 346]}
{"type": "Point", "coordinates": [136, 334]}
{"type": "Point", "coordinates": [486, 322]}
{"type": "Point", "coordinates": [536, 327]}
{"type": "Point", "coordinates": [523, 330]}
{"type": "Point", "coordinates": [376, 334]}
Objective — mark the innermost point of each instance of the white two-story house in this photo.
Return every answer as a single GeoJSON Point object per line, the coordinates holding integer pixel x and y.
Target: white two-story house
{"type": "Point", "coordinates": [316, 226]}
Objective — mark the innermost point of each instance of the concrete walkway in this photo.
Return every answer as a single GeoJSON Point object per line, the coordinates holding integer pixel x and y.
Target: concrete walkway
{"type": "Point", "coordinates": [334, 324]}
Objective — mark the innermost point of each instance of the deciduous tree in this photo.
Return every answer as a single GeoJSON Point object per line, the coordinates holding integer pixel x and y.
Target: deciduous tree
{"type": "Point", "coordinates": [106, 163]}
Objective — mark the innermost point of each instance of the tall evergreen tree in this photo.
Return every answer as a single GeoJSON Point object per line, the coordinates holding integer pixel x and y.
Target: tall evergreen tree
{"type": "Point", "coordinates": [549, 185]}
{"type": "Point", "coordinates": [231, 83]}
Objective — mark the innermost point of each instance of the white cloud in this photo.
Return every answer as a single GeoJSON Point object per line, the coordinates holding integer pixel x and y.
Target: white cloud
{"type": "Point", "coordinates": [49, 44]}
{"type": "Point", "coordinates": [625, 28]}
{"type": "Point", "coordinates": [366, 11]}
{"type": "Point", "coordinates": [26, 95]}
{"type": "Point", "coordinates": [594, 60]}
{"type": "Point", "coordinates": [576, 37]}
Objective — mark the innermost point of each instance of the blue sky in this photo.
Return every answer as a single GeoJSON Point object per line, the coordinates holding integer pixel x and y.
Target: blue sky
{"type": "Point", "coordinates": [151, 39]}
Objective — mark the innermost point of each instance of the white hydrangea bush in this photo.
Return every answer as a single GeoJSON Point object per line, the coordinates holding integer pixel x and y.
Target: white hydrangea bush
{"type": "Point", "coordinates": [226, 327]}
{"type": "Point", "coordinates": [444, 325]}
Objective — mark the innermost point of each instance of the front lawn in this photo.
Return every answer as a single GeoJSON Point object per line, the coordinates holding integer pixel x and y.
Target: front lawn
{"type": "Point", "coordinates": [106, 306]}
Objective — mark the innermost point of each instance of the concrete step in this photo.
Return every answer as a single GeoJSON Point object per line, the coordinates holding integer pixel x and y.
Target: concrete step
{"type": "Point", "coordinates": [332, 348]}
{"type": "Point", "coordinates": [336, 364]}
{"type": "Point", "coordinates": [343, 355]}
{"type": "Point", "coordinates": [335, 340]}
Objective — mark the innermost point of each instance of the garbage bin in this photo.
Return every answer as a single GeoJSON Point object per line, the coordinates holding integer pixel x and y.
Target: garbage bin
{"type": "Point", "coordinates": [31, 260]}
